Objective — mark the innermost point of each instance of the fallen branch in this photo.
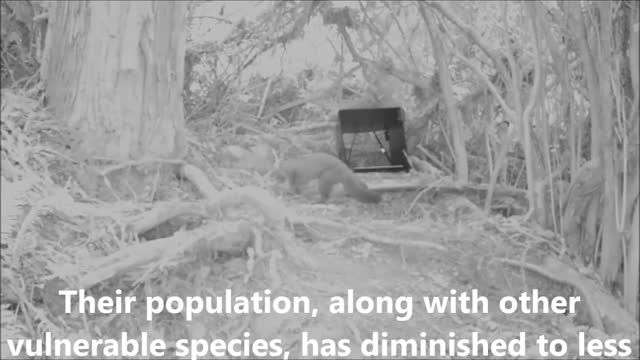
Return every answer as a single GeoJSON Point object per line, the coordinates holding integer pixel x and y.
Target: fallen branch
{"type": "Point", "coordinates": [272, 209]}
{"type": "Point", "coordinates": [433, 158]}
{"type": "Point", "coordinates": [368, 235]}
{"type": "Point", "coordinates": [264, 97]}
{"type": "Point", "coordinates": [311, 127]}
{"type": "Point", "coordinates": [221, 238]}
{"type": "Point", "coordinates": [163, 212]}
{"type": "Point", "coordinates": [277, 218]}
{"type": "Point", "coordinates": [297, 103]}
{"type": "Point", "coordinates": [106, 170]}
{"type": "Point", "coordinates": [199, 179]}
{"type": "Point", "coordinates": [449, 187]}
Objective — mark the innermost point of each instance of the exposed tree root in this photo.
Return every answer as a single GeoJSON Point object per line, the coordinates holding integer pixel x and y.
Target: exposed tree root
{"type": "Point", "coordinates": [600, 305]}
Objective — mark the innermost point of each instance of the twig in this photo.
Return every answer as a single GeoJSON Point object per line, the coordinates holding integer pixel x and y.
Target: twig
{"type": "Point", "coordinates": [433, 158]}
{"type": "Point", "coordinates": [264, 97]}
{"type": "Point", "coordinates": [415, 199]}
{"type": "Point", "coordinates": [220, 19]}
{"type": "Point", "coordinates": [105, 171]}
{"type": "Point", "coordinates": [310, 127]}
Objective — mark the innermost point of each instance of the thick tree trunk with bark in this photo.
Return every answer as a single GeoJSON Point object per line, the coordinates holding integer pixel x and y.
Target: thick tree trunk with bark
{"type": "Point", "coordinates": [114, 75]}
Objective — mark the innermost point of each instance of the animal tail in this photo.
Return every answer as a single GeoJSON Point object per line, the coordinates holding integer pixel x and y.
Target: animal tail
{"type": "Point", "coordinates": [359, 190]}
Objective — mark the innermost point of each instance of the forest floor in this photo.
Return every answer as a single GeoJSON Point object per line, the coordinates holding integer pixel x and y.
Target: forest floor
{"type": "Point", "coordinates": [430, 252]}
{"type": "Point", "coordinates": [407, 250]}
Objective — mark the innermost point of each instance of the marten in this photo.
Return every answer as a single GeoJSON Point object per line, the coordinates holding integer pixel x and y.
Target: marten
{"type": "Point", "coordinates": [328, 170]}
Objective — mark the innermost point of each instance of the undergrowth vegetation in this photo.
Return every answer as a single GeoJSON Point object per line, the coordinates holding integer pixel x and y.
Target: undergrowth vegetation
{"type": "Point", "coordinates": [216, 220]}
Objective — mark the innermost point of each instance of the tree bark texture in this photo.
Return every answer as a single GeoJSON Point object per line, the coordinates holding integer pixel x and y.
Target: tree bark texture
{"type": "Point", "coordinates": [115, 76]}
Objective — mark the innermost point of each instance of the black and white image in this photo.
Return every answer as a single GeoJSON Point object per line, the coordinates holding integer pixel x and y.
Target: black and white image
{"type": "Point", "coordinates": [320, 179]}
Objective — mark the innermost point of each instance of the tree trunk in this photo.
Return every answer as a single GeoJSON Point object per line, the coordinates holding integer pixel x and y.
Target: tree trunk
{"type": "Point", "coordinates": [611, 256]}
{"type": "Point", "coordinates": [115, 75]}
{"type": "Point", "coordinates": [453, 115]}
{"type": "Point", "coordinates": [591, 73]}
